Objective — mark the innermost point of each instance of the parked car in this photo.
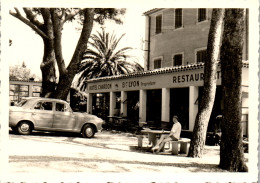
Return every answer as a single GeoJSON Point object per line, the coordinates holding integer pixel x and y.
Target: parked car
{"type": "Point", "coordinates": [46, 114]}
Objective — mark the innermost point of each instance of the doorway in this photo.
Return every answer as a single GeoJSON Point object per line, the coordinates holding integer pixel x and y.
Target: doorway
{"type": "Point", "coordinates": [154, 105]}
{"type": "Point", "coordinates": [179, 105]}
{"type": "Point", "coordinates": [133, 106]}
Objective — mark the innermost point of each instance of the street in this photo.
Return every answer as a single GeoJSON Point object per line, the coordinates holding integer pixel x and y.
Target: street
{"type": "Point", "coordinates": [107, 152]}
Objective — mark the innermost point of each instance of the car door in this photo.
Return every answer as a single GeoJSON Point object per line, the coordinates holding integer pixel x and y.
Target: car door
{"type": "Point", "coordinates": [42, 113]}
{"type": "Point", "coordinates": [64, 119]}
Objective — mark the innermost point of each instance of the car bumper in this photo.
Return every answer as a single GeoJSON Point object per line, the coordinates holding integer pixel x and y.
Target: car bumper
{"type": "Point", "coordinates": [12, 122]}
{"type": "Point", "coordinates": [99, 127]}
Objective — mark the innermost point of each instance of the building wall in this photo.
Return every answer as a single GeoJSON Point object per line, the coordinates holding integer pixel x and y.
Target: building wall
{"type": "Point", "coordinates": [186, 40]}
{"type": "Point", "coordinates": [25, 88]}
{"type": "Point", "coordinates": [19, 89]}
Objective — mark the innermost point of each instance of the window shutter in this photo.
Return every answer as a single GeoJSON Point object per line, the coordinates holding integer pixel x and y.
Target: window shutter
{"type": "Point", "coordinates": [177, 60]}
{"type": "Point", "coordinates": [201, 14]}
{"type": "Point", "coordinates": [158, 24]}
{"type": "Point", "coordinates": [157, 63]}
{"type": "Point", "coordinates": [201, 56]}
{"type": "Point", "coordinates": [178, 18]}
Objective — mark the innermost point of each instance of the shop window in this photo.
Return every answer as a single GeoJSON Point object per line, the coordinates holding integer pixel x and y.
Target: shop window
{"type": "Point", "coordinates": [178, 18]}
{"type": "Point", "coordinates": [17, 92]}
{"type": "Point", "coordinates": [177, 60]}
{"type": "Point", "coordinates": [36, 91]}
{"type": "Point", "coordinates": [157, 63]}
{"type": "Point", "coordinates": [158, 24]}
{"type": "Point", "coordinates": [202, 14]}
{"type": "Point", "coordinates": [201, 56]}
{"type": "Point", "coordinates": [101, 105]}
{"type": "Point", "coordinates": [118, 100]}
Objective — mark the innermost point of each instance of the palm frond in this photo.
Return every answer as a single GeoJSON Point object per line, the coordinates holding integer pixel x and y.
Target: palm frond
{"type": "Point", "coordinates": [102, 58]}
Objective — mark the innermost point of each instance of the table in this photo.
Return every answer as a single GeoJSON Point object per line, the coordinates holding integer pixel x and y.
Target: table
{"type": "Point", "coordinates": [151, 136]}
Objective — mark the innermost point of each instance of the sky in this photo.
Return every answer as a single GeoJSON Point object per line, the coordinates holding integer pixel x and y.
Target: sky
{"type": "Point", "coordinates": [27, 46]}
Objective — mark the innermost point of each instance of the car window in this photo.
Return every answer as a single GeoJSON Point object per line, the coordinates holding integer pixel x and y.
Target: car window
{"type": "Point", "coordinates": [43, 106]}
{"type": "Point", "coordinates": [61, 107]}
{"type": "Point", "coordinates": [21, 103]}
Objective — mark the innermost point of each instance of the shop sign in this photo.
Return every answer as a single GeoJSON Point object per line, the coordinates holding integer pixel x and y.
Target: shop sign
{"type": "Point", "coordinates": [184, 79]}
{"type": "Point", "coordinates": [191, 77]}
{"type": "Point", "coordinates": [100, 87]}
{"type": "Point", "coordinates": [133, 84]}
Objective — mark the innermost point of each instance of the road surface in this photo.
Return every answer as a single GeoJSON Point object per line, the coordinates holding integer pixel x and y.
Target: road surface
{"type": "Point", "coordinates": [106, 152]}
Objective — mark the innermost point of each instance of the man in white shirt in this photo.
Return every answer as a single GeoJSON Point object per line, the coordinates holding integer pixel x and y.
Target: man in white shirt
{"type": "Point", "coordinates": [174, 135]}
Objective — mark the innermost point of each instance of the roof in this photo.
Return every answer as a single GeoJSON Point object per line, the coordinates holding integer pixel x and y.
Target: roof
{"type": "Point", "coordinates": [29, 81]}
{"type": "Point", "coordinates": [43, 98]}
{"type": "Point", "coordinates": [152, 11]}
{"type": "Point", "coordinates": [157, 71]}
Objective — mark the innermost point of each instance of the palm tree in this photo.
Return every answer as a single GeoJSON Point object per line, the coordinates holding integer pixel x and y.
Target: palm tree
{"type": "Point", "coordinates": [103, 58]}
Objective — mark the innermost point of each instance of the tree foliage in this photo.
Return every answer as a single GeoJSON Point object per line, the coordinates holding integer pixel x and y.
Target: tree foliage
{"type": "Point", "coordinates": [48, 24]}
{"type": "Point", "coordinates": [104, 57]}
{"type": "Point", "coordinates": [20, 72]}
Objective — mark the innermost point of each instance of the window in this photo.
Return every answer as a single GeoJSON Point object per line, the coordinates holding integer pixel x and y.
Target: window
{"type": "Point", "coordinates": [158, 24]}
{"type": "Point", "coordinates": [43, 106]}
{"type": "Point", "coordinates": [118, 100]}
{"type": "Point", "coordinates": [22, 102]}
{"type": "Point", "coordinates": [201, 56]}
{"type": "Point", "coordinates": [17, 92]}
{"type": "Point", "coordinates": [62, 107]}
{"type": "Point", "coordinates": [157, 63]}
{"type": "Point", "coordinates": [178, 18]}
{"type": "Point", "coordinates": [201, 14]}
{"type": "Point", "coordinates": [36, 91]}
{"type": "Point", "coordinates": [177, 60]}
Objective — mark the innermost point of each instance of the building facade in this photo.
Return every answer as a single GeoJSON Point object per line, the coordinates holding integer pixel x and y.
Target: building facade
{"type": "Point", "coordinates": [178, 37]}
{"type": "Point", "coordinates": [19, 89]}
{"type": "Point", "coordinates": [23, 88]}
{"type": "Point", "coordinates": [175, 49]}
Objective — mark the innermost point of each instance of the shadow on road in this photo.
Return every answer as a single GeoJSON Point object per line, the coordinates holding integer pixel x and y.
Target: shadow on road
{"type": "Point", "coordinates": [49, 134]}
{"type": "Point", "coordinates": [192, 166]}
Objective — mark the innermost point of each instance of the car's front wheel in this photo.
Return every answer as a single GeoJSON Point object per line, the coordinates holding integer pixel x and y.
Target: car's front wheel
{"type": "Point", "coordinates": [88, 131]}
{"type": "Point", "coordinates": [24, 128]}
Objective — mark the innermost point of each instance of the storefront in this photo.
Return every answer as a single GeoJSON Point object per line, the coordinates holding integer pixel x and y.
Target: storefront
{"type": "Point", "coordinates": [23, 88]}
{"type": "Point", "coordinates": [159, 94]}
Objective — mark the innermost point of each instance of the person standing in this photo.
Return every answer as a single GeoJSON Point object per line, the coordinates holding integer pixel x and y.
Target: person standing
{"type": "Point", "coordinates": [173, 136]}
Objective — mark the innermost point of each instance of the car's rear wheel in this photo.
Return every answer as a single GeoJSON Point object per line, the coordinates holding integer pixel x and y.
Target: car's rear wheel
{"type": "Point", "coordinates": [24, 128]}
{"type": "Point", "coordinates": [88, 131]}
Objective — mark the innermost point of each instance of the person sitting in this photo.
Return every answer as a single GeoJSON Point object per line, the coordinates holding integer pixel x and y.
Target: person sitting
{"type": "Point", "coordinates": [173, 136]}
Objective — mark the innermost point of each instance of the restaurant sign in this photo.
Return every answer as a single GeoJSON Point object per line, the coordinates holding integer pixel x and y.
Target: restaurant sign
{"type": "Point", "coordinates": [169, 80]}
{"type": "Point", "coordinates": [191, 77]}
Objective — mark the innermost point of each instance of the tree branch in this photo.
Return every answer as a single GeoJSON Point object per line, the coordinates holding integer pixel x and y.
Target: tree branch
{"type": "Point", "coordinates": [32, 17]}
{"type": "Point", "coordinates": [71, 15]}
{"type": "Point", "coordinates": [18, 15]}
{"type": "Point", "coordinates": [63, 14]}
{"type": "Point", "coordinates": [83, 40]}
{"type": "Point", "coordinates": [57, 29]}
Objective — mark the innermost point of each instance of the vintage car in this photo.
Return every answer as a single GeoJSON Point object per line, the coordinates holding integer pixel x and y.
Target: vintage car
{"type": "Point", "coordinates": [46, 114]}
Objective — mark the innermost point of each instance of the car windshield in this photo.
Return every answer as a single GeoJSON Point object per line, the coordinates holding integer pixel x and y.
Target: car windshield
{"type": "Point", "coordinates": [22, 102]}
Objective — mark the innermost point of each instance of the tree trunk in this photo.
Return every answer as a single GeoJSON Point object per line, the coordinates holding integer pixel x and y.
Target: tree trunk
{"type": "Point", "coordinates": [231, 147]}
{"type": "Point", "coordinates": [209, 89]}
{"type": "Point", "coordinates": [48, 61]}
{"type": "Point", "coordinates": [66, 78]}
{"type": "Point", "coordinates": [48, 69]}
